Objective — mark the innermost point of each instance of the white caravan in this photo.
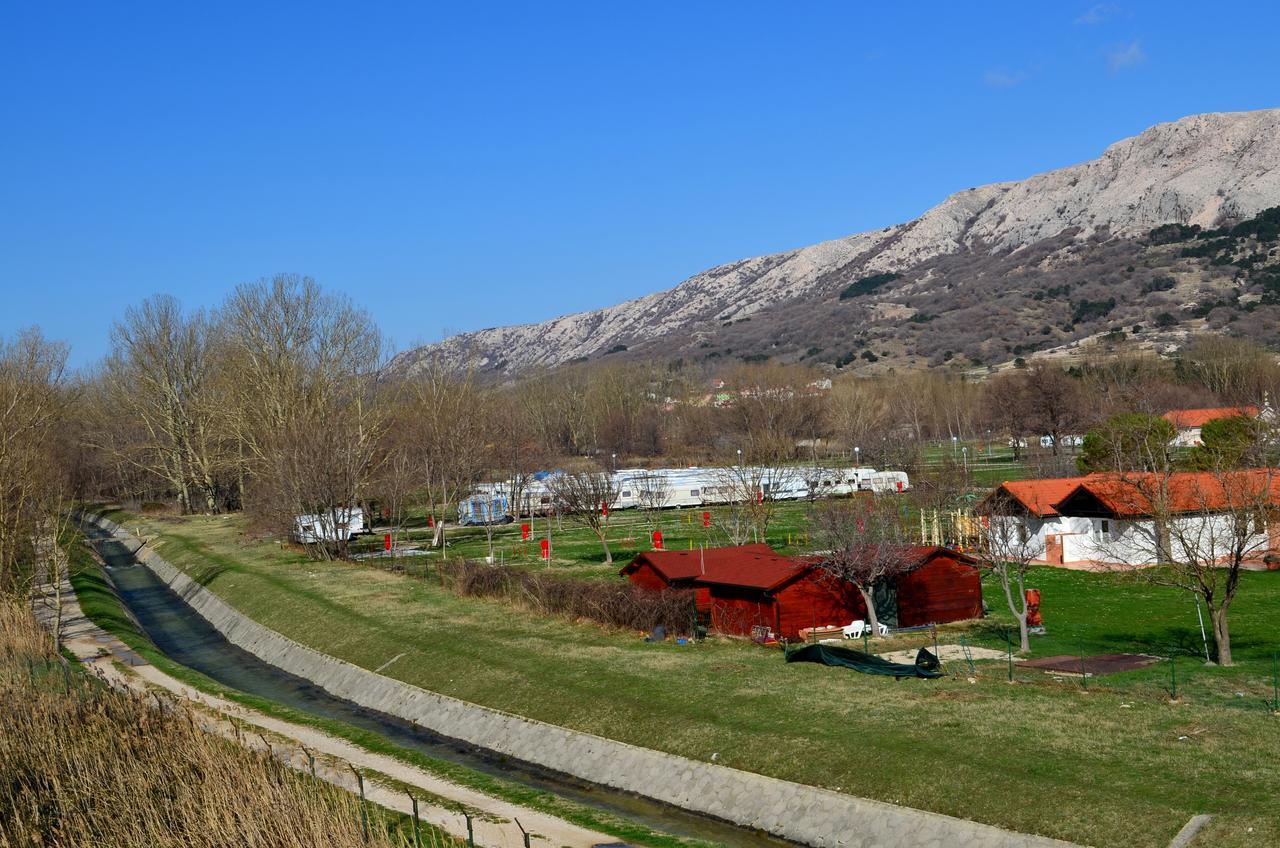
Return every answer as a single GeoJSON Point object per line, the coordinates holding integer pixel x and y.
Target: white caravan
{"type": "Point", "coordinates": [338, 524]}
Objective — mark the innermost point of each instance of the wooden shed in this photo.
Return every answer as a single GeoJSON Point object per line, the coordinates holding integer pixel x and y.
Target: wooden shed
{"type": "Point", "coordinates": [738, 588]}
{"type": "Point", "coordinates": [945, 586]}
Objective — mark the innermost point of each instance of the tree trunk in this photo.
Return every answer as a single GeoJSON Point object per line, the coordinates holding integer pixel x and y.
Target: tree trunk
{"type": "Point", "coordinates": [1024, 639]}
{"type": "Point", "coordinates": [1221, 635]}
{"type": "Point", "coordinates": [873, 623]}
{"type": "Point", "coordinates": [604, 543]}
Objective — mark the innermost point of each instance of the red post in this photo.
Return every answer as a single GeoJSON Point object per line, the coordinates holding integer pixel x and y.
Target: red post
{"type": "Point", "coordinates": [760, 496]}
{"type": "Point", "coordinates": [899, 485]}
{"type": "Point", "coordinates": [604, 508]}
{"type": "Point", "coordinates": [546, 549]}
{"type": "Point", "coordinates": [431, 520]}
{"type": "Point", "coordinates": [706, 519]}
{"type": "Point", "coordinates": [657, 540]}
{"type": "Point", "coordinates": [386, 541]}
{"type": "Point", "coordinates": [524, 532]}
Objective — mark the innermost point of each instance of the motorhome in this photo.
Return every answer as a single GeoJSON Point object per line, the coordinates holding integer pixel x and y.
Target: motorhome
{"type": "Point", "coordinates": [337, 524]}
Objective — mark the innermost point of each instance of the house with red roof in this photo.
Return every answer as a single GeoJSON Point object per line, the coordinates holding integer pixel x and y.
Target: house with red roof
{"type": "Point", "coordinates": [1114, 520]}
{"type": "Point", "coordinates": [740, 588]}
{"type": "Point", "coordinates": [1188, 422]}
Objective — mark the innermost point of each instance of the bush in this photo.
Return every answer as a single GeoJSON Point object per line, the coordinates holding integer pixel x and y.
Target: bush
{"type": "Point", "coordinates": [615, 603]}
{"type": "Point", "coordinates": [1090, 310]}
{"type": "Point", "coordinates": [866, 285]}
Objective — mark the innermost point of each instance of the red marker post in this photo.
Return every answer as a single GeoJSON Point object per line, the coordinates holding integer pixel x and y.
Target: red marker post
{"type": "Point", "coordinates": [386, 541]}
{"type": "Point", "coordinates": [604, 508]}
{"type": "Point", "coordinates": [431, 520]}
{"type": "Point", "coordinates": [657, 540]}
{"type": "Point", "coordinates": [706, 519]}
{"type": "Point", "coordinates": [546, 549]}
{"type": "Point", "coordinates": [524, 532]}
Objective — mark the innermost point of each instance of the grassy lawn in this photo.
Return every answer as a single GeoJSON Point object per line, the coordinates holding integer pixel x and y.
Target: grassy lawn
{"type": "Point", "coordinates": [1114, 765]}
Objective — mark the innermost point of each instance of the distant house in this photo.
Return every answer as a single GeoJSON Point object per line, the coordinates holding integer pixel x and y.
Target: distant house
{"type": "Point", "coordinates": [1188, 422]}
{"type": "Point", "coordinates": [1103, 521]}
{"type": "Point", "coordinates": [739, 588]}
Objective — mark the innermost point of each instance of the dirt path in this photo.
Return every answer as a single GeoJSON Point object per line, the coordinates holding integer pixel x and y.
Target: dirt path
{"type": "Point", "coordinates": [493, 820]}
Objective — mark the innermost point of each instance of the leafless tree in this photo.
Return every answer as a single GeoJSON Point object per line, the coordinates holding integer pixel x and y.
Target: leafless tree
{"type": "Point", "coordinates": [159, 377]}
{"type": "Point", "coordinates": [863, 543]}
{"type": "Point", "coordinates": [1007, 550]}
{"type": "Point", "coordinates": [751, 493]}
{"type": "Point", "coordinates": [652, 492]}
{"type": "Point", "coordinates": [33, 401]}
{"type": "Point", "coordinates": [586, 498]}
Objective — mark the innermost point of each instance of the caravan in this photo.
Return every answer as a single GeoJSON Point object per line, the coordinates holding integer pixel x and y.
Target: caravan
{"type": "Point", "coordinates": [336, 524]}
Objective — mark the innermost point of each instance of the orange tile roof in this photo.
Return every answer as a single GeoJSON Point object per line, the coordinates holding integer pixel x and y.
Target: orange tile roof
{"type": "Point", "coordinates": [1141, 494]}
{"type": "Point", "coordinates": [1040, 496]}
{"type": "Point", "coordinates": [1184, 418]}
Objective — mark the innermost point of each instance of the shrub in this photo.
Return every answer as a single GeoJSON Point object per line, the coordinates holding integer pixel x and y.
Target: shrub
{"type": "Point", "coordinates": [866, 285]}
{"type": "Point", "coordinates": [616, 603]}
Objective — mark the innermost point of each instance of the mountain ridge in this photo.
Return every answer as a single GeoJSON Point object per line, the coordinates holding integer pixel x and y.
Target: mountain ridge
{"type": "Point", "coordinates": [1199, 170]}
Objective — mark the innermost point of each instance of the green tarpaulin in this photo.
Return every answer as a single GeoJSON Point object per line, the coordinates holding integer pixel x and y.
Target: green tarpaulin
{"type": "Point", "coordinates": [926, 664]}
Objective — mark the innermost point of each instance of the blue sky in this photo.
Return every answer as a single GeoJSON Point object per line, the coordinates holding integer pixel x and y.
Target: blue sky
{"type": "Point", "coordinates": [453, 167]}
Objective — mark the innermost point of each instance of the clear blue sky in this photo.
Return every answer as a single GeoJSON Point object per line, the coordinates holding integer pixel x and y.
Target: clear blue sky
{"type": "Point", "coordinates": [461, 166]}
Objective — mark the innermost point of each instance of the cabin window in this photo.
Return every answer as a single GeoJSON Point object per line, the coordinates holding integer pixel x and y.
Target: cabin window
{"type": "Point", "coordinates": [308, 528]}
{"type": "Point", "coordinates": [626, 494]}
{"type": "Point", "coordinates": [1023, 536]}
{"type": "Point", "coordinates": [693, 493]}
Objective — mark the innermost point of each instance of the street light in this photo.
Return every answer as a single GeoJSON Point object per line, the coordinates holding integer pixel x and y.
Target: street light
{"type": "Point", "coordinates": [953, 446]}
{"type": "Point", "coordinates": [615, 461]}
{"type": "Point", "coordinates": [857, 456]}
{"type": "Point", "coordinates": [739, 456]}
{"type": "Point", "coordinates": [965, 453]}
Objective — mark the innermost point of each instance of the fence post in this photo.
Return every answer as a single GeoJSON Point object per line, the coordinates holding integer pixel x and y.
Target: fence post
{"type": "Point", "coordinates": [471, 836]}
{"type": "Point", "coordinates": [364, 813]}
{"type": "Point", "coordinates": [1275, 682]}
{"type": "Point", "coordinates": [523, 831]}
{"type": "Point", "coordinates": [1084, 675]}
{"type": "Point", "coordinates": [417, 837]}
{"type": "Point", "coordinates": [1008, 643]}
{"type": "Point", "coordinates": [1173, 675]}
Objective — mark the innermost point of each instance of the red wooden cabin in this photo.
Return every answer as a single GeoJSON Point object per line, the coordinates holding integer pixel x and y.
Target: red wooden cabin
{"type": "Point", "coordinates": [752, 585]}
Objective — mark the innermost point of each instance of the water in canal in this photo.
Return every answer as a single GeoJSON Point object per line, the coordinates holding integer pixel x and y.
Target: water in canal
{"type": "Point", "coordinates": [183, 636]}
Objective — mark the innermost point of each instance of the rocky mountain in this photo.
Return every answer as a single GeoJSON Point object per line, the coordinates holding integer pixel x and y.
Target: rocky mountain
{"type": "Point", "coordinates": [989, 274]}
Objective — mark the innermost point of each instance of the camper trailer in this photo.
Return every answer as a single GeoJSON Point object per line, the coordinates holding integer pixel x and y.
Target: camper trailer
{"type": "Point", "coordinates": [333, 525]}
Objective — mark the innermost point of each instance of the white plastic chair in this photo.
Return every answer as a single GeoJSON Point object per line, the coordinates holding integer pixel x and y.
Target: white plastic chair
{"type": "Point", "coordinates": [854, 630]}
{"type": "Point", "coordinates": [884, 628]}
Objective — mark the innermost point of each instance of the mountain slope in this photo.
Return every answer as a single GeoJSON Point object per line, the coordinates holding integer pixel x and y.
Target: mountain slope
{"type": "Point", "coordinates": [1203, 170]}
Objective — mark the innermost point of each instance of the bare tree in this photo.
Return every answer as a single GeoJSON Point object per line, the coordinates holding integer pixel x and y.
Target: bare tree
{"type": "Point", "coordinates": [652, 492]}
{"type": "Point", "coordinates": [752, 494]}
{"type": "Point", "coordinates": [1007, 549]}
{"type": "Point", "coordinates": [33, 401]}
{"type": "Point", "coordinates": [863, 543]}
{"type": "Point", "coordinates": [159, 376]}
{"type": "Point", "coordinates": [586, 498]}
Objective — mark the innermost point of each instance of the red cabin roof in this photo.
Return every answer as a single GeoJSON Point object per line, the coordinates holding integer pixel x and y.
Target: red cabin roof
{"type": "Point", "coordinates": [752, 566]}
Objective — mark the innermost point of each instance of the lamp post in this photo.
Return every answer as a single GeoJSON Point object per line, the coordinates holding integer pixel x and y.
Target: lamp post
{"type": "Point", "coordinates": [739, 457]}
{"type": "Point", "coordinates": [965, 453]}
{"type": "Point", "coordinates": [988, 443]}
{"type": "Point", "coordinates": [954, 442]}
{"type": "Point", "coordinates": [857, 456]}
{"type": "Point", "coordinates": [614, 467]}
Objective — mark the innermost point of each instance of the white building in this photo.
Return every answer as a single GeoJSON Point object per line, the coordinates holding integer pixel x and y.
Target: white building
{"type": "Point", "coordinates": [1188, 422]}
{"type": "Point", "coordinates": [1106, 521]}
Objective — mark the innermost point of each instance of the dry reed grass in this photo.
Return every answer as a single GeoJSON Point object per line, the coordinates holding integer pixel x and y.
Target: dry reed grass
{"type": "Point", "coordinates": [82, 764]}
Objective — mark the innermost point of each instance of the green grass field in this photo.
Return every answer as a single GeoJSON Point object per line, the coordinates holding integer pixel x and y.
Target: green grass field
{"type": "Point", "coordinates": [1114, 765]}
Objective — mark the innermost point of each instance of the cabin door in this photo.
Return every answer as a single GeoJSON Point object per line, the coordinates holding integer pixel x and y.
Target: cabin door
{"type": "Point", "coordinates": [1053, 549]}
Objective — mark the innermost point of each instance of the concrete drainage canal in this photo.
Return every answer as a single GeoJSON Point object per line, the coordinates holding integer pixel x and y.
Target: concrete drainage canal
{"type": "Point", "coordinates": [183, 636]}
